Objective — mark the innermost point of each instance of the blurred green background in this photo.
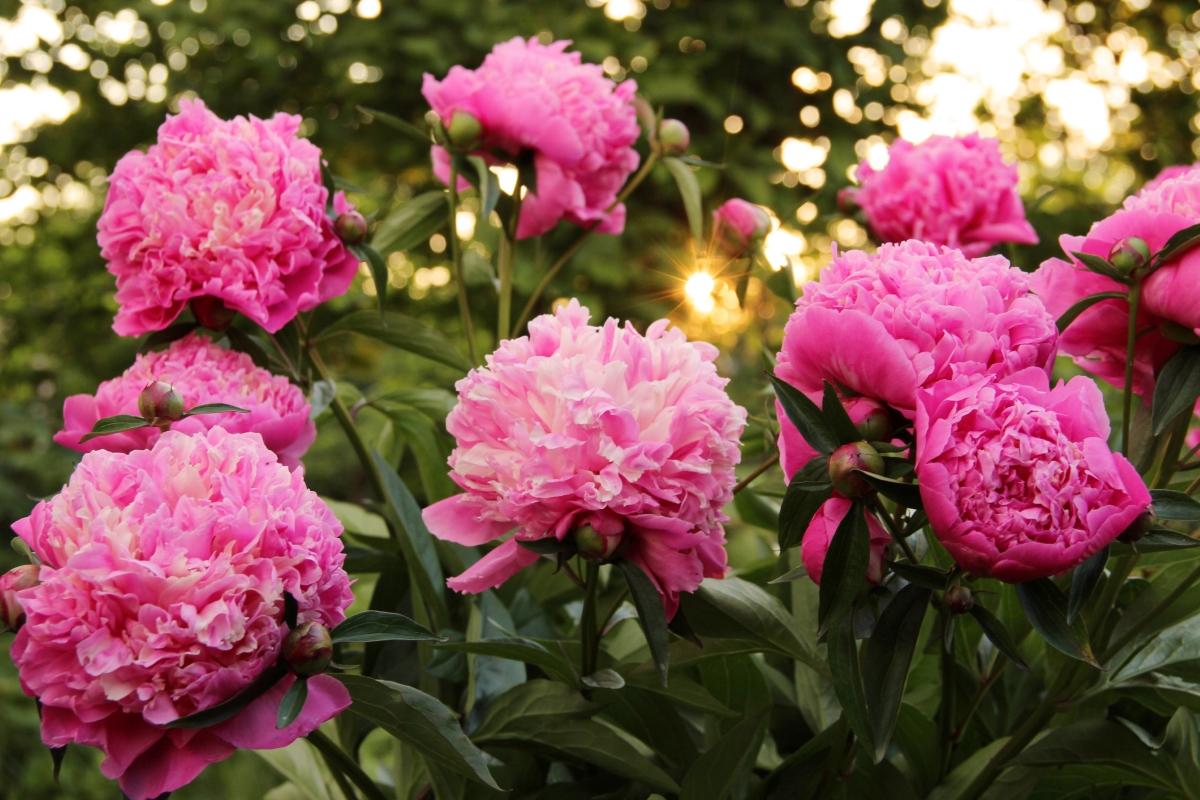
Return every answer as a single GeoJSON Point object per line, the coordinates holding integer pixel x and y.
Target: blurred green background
{"type": "Point", "coordinates": [1090, 98]}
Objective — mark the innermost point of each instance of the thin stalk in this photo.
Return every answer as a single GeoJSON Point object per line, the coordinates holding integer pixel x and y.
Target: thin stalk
{"type": "Point", "coordinates": [1116, 647]}
{"type": "Point", "coordinates": [579, 240]}
{"type": "Point", "coordinates": [464, 308]}
{"type": "Point", "coordinates": [985, 683]}
{"type": "Point", "coordinates": [1193, 486]}
{"type": "Point", "coordinates": [1135, 292]}
{"type": "Point", "coordinates": [766, 465]}
{"type": "Point", "coordinates": [589, 638]}
{"type": "Point", "coordinates": [504, 266]}
{"type": "Point", "coordinates": [340, 761]}
{"type": "Point", "coordinates": [894, 530]}
{"type": "Point", "coordinates": [947, 714]}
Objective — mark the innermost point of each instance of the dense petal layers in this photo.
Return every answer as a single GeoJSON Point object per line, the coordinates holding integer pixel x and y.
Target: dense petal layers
{"type": "Point", "coordinates": [162, 594]}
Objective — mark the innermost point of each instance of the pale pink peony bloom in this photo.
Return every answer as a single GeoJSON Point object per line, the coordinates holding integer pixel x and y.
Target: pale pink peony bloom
{"type": "Point", "coordinates": [578, 125]}
{"type": "Point", "coordinates": [203, 373]}
{"type": "Point", "coordinates": [578, 425]}
{"type": "Point", "coordinates": [885, 324]}
{"type": "Point", "coordinates": [820, 533]}
{"type": "Point", "coordinates": [737, 224]}
{"type": "Point", "coordinates": [1017, 478]}
{"type": "Point", "coordinates": [953, 191]}
{"type": "Point", "coordinates": [162, 594]}
{"type": "Point", "coordinates": [234, 210]}
{"type": "Point", "coordinates": [1166, 174]}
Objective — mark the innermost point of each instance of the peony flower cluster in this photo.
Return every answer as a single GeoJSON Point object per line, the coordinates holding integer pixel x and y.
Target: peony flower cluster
{"type": "Point", "coordinates": [203, 373]}
{"type": "Point", "coordinates": [737, 224]}
{"type": "Point", "coordinates": [820, 533]}
{"type": "Point", "coordinates": [601, 426]}
{"type": "Point", "coordinates": [162, 594]}
{"type": "Point", "coordinates": [233, 211]}
{"type": "Point", "coordinates": [1017, 478]}
{"type": "Point", "coordinates": [953, 191]}
{"type": "Point", "coordinates": [539, 99]}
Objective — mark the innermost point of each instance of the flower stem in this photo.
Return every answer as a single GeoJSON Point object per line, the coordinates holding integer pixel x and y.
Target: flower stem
{"type": "Point", "coordinates": [893, 530]}
{"type": "Point", "coordinates": [464, 308]}
{"type": "Point", "coordinates": [504, 266]}
{"type": "Point", "coordinates": [589, 638]}
{"type": "Point", "coordinates": [1135, 293]}
{"type": "Point", "coordinates": [985, 683]}
{"type": "Point", "coordinates": [340, 763]}
{"type": "Point", "coordinates": [527, 312]}
{"type": "Point", "coordinates": [766, 465]}
{"type": "Point", "coordinates": [947, 714]}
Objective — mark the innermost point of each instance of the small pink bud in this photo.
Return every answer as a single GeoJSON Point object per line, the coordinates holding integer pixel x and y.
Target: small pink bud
{"type": "Point", "coordinates": [308, 650]}
{"type": "Point", "coordinates": [960, 599]}
{"type": "Point", "coordinates": [12, 615]}
{"type": "Point", "coordinates": [847, 200]}
{"type": "Point", "coordinates": [1129, 254]}
{"type": "Point", "coordinates": [846, 459]}
{"type": "Point", "coordinates": [465, 131]}
{"type": "Point", "coordinates": [1140, 526]}
{"type": "Point", "coordinates": [160, 402]}
{"type": "Point", "coordinates": [673, 137]}
{"type": "Point", "coordinates": [596, 546]}
{"type": "Point", "coordinates": [212, 313]}
{"type": "Point", "coordinates": [876, 422]}
{"type": "Point", "coordinates": [350, 226]}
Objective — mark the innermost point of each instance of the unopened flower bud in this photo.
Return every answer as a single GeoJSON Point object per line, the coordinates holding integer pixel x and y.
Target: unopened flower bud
{"type": "Point", "coordinates": [464, 130]}
{"type": "Point", "coordinates": [850, 457]}
{"type": "Point", "coordinates": [159, 401]}
{"type": "Point", "coordinates": [308, 650]}
{"type": "Point", "coordinates": [212, 313]}
{"type": "Point", "coordinates": [1129, 254]}
{"type": "Point", "coordinates": [960, 599]}
{"type": "Point", "coordinates": [875, 424]}
{"type": "Point", "coordinates": [12, 615]}
{"type": "Point", "coordinates": [847, 200]}
{"type": "Point", "coordinates": [673, 137]}
{"type": "Point", "coordinates": [596, 546]}
{"type": "Point", "coordinates": [1140, 526]}
{"type": "Point", "coordinates": [350, 226]}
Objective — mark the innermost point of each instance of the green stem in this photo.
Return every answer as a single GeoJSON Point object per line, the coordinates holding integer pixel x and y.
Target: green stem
{"type": "Point", "coordinates": [1098, 620]}
{"type": "Point", "coordinates": [1135, 292]}
{"type": "Point", "coordinates": [1012, 748]}
{"type": "Point", "coordinates": [947, 714]}
{"type": "Point", "coordinates": [464, 307]}
{"type": "Point", "coordinates": [341, 763]}
{"type": "Point", "coordinates": [1115, 647]}
{"type": "Point", "coordinates": [575, 245]}
{"type": "Point", "coordinates": [985, 683]}
{"type": "Point", "coordinates": [766, 465]}
{"type": "Point", "coordinates": [504, 266]}
{"type": "Point", "coordinates": [1170, 459]}
{"type": "Point", "coordinates": [894, 531]}
{"type": "Point", "coordinates": [589, 637]}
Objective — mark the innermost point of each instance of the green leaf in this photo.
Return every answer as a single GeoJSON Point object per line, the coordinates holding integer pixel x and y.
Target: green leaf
{"type": "Point", "coordinates": [1158, 540]}
{"type": "Point", "coordinates": [916, 736]}
{"type": "Point", "coordinates": [1176, 388]}
{"type": "Point", "coordinates": [961, 776]}
{"type": "Point", "coordinates": [330, 184]}
{"type": "Point", "coordinates": [650, 614]}
{"type": "Point", "coordinates": [1046, 607]}
{"type": "Point", "coordinates": [320, 397]}
{"type": "Point", "coordinates": [999, 636]}
{"type": "Point", "coordinates": [357, 520]}
{"type": "Point", "coordinates": [755, 510]}
{"type": "Point", "coordinates": [1178, 643]}
{"type": "Point", "coordinates": [845, 566]}
{"type": "Point", "coordinates": [652, 717]}
{"type": "Point", "coordinates": [921, 575]}
{"type": "Point", "coordinates": [1177, 245]}
{"type": "Point", "coordinates": [117, 424]}
{"type": "Point", "coordinates": [292, 703]}
{"type": "Point", "coordinates": [899, 492]}
{"type": "Point", "coordinates": [683, 690]}
{"type": "Point", "coordinates": [379, 272]}
{"type": "Point", "coordinates": [888, 656]}
{"type": "Point", "coordinates": [805, 415]}
{"type": "Point", "coordinates": [229, 709]}
{"type": "Point", "coordinates": [689, 190]}
{"type": "Point", "coordinates": [813, 476]}
{"type": "Point", "coordinates": [533, 703]}
{"type": "Point", "coordinates": [736, 609]}
{"type": "Point", "coordinates": [1169, 504]}
{"type": "Point", "coordinates": [603, 679]}
{"type": "Point", "coordinates": [518, 649]}
{"type": "Point", "coordinates": [363, 560]}
{"type": "Point", "coordinates": [404, 126]}
{"type": "Point", "coordinates": [382, 626]}
{"type": "Point", "coordinates": [1072, 313]}
{"type": "Point", "coordinates": [847, 679]}
{"type": "Point", "coordinates": [799, 506]}
{"type": "Point", "coordinates": [57, 754]}
{"type": "Point", "coordinates": [488, 185]}
{"type": "Point", "coordinates": [419, 720]}
{"type": "Point", "coordinates": [1182, 742]}
{"type": "Point", "coordinates": [412, 223]}
{"type": "Point", "coordinates": [1084, 580]}
{"type": "Point", "coordinates": [421, 434]}
{"type": "Point", "coordinates": [242, 342]}
{"type": "Point", "coordinates": [1098, 741]}
{"type": "Point", "coordinates": [1100, 266]}
{"type": "Point", "coordinates": [527, 175]}
{"type": "Point", "coordinates": [215, 408]}
{"type": "Point", "coordinates": [715, 773]}
{"type": "Point", "coordinates": [835, 414]}
{"type": "Point", "coordinates": [402, 332]}
{"type": "Point", "coordinates": [167, 335]}
{"type": "Point", "coordinates": [548, 546]}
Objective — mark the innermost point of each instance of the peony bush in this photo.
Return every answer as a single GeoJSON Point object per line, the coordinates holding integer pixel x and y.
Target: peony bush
{"type": "Point", "coordinates": [970, 582]}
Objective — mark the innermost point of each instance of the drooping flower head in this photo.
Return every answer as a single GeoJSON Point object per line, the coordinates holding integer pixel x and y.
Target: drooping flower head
{"type": "Point", "coordinates": [162, 594]}
{"type": "Point", "coordinates": [1017, 478]}
{"type": "Point", "coordinates": [203, 373]}
{"type": "Point", "coordinates": [230, 210]}
{"type": "Point", "coordinates": [539, 99]}
{"type": "Point", "coordinates": [737, 224]}
{"type": "Point", "coordinates": [580, 425]}
{"type": "Point", "coordinates": [820, 533]}
{"type": "Point", "coordinates": [953, 191]}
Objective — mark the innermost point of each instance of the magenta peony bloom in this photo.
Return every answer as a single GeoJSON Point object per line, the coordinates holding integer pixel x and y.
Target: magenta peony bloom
{"type": "Point", "coordinates": [952, 191]}
{"type": "Point", "coordinates": [579, 425]}
{"type": "Point", "coordinates": [820, 533]}
{"type": "Point", "coordinates": [737, 224]}
{"type": "Point", "coordinates": [162, 594]}
{"type": "Point", "coordinates": [578, 125]}
{"type": "Point", "coordinates": [1166, 174]}
{"type": "Point", "coordinates": [230, 210]}
{"type": "Point", "coordinates": [886, 324]}
{"type": "Point", "coordinates": [1017, 478]}
{"type": "Point", "coordinates": [203, 373]}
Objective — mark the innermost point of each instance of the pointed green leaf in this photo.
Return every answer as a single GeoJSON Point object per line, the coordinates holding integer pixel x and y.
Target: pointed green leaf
{"type": "Point", "coordinates": [549, 546]}
{"type": "Point", "coordinates": [999, 636]}
{"type": "Point", "coordinates": [845, 566]}
{"type": "Point", "coordinates": [379, 273]}
{"type": "Point", "coordinates": [517, 649]}
{"type": "Point", "coordinates": [489, 187]}
{"type": "Point", "coordinates": [421, 434]}
{"type": "Point", "coordinates": [899, 492]}
{"type": "Point", "coordinates": [1072, 313]}
{"type": "Point", "coordinates": [847, 679]}
{"type": "Point", "coordinates": [887, 658]}
{"type": "Point", "coordinates": [805, 415]}
{"type": "Point", "coordinates": [292, 703]}
{"type": "Point", "coordinates": [402, 332]}
{"type": "Point", "coordinates": [242, 342]}
{"type": "Point", "coordinates": [1046, 607]}
{"type": "Point", "coordinates": [921, 575]}
{"type": "Point", "coordinates": [1158, 540]}
{"type": "Point", "coordinates": [391, 120]}
{"type": "Point", "coordinates": [1177, 245]}
{"type": "Point", "coordinates": [650, 614]}
{"type": "Point", "coordinates": [1084, 580]}
{"type": "Point", "coordinates": [1176, 388]}
{"type": "Point", "coordinates": [798, 509]}
{"type": "Point", "coordinates": [382, 626]}
{"type": "Point", "coordinates": [1099, 741]}
{"type": "Point", "coordinates": [1100, 266]}
{"type": "Point", "coordinates": [229, 709]}
{"type": "Point", "coordinates": [412, 223]}
{"type": "Point", "coordinates": [835, 414]}
{"type": "Point", "coordinates": [714, 774]}
{"type": "Point", "coordinates": [117, 424]}
{"type": "Point", "coordinates": [689, 190]}
{"type": "Point", "coordinates": [1169, 504]}
{"type": "Point", "coordinates": [215, 408]}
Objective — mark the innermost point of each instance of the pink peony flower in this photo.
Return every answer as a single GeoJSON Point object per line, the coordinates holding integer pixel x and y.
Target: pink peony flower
{"type": "Point", "coordinates": [886, 324]}
{"type": "Point", "coordinates": [1166, 174]}
{"type": "Point", "coordinates": [1017, 478]}
{"type": "Point", "coordinates": [737, 224]}
{"type": "Point", "coordinates": [951, 191]}
{"type": "Point", "coordinates": [162, 594]}
{"type": "Point", "coordinates": [203, 373]}
{"type": "Point", "coordinates": [820, 533]}
{"type": "Point", "coordinates": [579, 425]}
{"type": "Point", "coordinates": [230, 210]}
{"type": "Point", "coordinates": [578, 125]}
